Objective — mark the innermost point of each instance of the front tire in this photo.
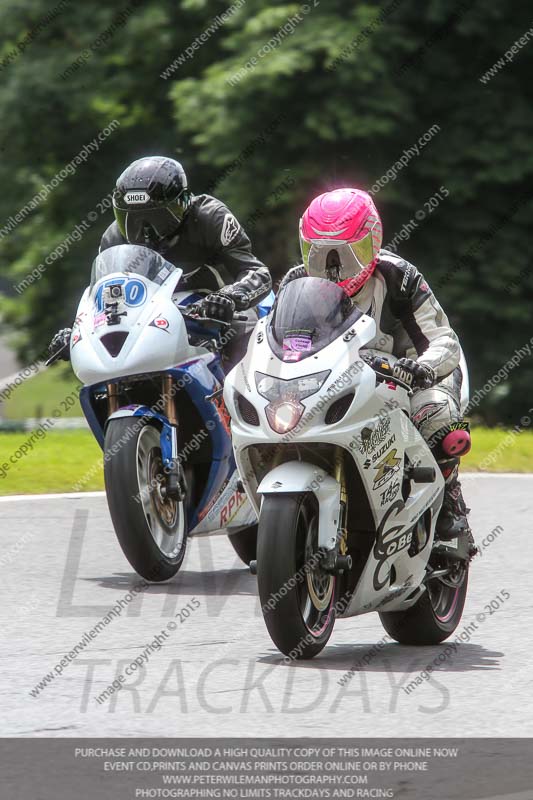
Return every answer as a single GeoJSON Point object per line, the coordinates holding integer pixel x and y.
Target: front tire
{"type": "Point", "coordinates": [150, 528]}
{"type": "Point", "coordinates": [435, 616]}
{"type": "Point", "coordinates": [297, 597]}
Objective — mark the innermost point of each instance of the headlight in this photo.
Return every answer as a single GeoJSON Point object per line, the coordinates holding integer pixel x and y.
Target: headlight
{"type": "Point", "coordinates": [283, 417]}
{"type": "Point", "coordinates": [285, 408]}
{"type": "Point", "coordinates": [296, 389]}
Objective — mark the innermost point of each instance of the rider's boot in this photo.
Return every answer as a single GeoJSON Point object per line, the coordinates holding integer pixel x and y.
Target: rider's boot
{"type": "Point", "coordinates": [452, 522]}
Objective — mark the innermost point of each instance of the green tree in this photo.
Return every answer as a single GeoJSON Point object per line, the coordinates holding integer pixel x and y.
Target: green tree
{"type": "Point", "coordinates": [275, 104]}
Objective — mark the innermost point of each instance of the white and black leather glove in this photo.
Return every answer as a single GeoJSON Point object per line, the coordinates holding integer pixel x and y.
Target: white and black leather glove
{"type": "Point", "coordinates": [414, 373]}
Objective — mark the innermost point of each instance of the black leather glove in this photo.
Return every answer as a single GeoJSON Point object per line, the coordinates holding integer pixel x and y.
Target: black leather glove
{"type": "Point", "coordinates": [292, 275]}
{"type": "Point", "coordinates": [59, 346]}
{"type": "Point", "coordinates": [413, 373]}
{"type": "Point", "coordinates": [217, 306]}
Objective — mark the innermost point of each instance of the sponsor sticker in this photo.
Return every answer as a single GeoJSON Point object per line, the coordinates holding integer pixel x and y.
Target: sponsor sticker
{"type": "Point", "coordinates": [161, 323]}
{"type": "Point", "coordinates": [389, 542]}
{"type": "Point", "coordinates": [300, 344]}
{"type": "Point", "coordinates": [383, 449]}
{"type": "Point", "coordinates": [373, 438]}
{"type": "Point", "coordinates": [386, 468]}
{"type": "Point", "coordinates": [389, 494]}
{"type": "Point", "coordinates": [229, 511]}
{"type": "Point", "coordinates": [99, 319]}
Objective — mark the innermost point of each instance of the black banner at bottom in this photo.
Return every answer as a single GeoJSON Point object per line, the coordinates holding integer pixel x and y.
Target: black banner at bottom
{"type": "Point", "coordinates": [132, 769]}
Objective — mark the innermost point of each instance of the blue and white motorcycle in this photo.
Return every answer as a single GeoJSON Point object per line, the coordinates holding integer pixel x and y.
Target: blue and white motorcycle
{"type": "Point", "coordinates": [152, 396]}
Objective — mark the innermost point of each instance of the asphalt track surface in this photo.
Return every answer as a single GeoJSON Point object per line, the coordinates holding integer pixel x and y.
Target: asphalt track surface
{"type": "Point", "coordinates": [217, 673]}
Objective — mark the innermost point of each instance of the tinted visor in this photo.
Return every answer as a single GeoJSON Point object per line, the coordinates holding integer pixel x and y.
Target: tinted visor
{"type": "Point", "coordinates": [141, 225]}
{"type": "Point", "coordinates": [152, 220]}
{"type": "Point", "coordinates": [353, 257]}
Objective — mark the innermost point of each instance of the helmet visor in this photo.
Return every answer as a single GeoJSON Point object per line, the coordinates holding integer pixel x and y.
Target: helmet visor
{"type": "Point", "coordinates": [133, 223]}
{"type": "Point", "coordinates": [163, 219]}
{"type": "Point", "coordinates": [353, 257]}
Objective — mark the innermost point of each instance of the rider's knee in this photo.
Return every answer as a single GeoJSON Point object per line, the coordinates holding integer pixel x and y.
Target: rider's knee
{"type": "Point", "coordinates": [451, 441]}
{"type": "Point", "coordinates": [456, 443]}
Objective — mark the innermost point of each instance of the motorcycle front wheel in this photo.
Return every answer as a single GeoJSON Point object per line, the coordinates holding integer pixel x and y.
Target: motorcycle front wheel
{"type": "Point", "coordinates": [150, 527]}
{"type": "Point", "coordinates": [297, 596]}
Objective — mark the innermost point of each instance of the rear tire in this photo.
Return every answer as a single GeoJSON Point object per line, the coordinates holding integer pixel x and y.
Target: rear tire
{"type": "Point", "coordinates": [434, 616]}
{"type": "Point", "coordinates": [245, 544]}
{"type": "Point", "coordinates": [150, 529]}
{"type": "Point", "coordinates": [298, 604]}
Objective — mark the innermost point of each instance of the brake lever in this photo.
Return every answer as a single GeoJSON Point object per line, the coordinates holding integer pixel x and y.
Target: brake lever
{"type": "Point", "coordinates": [55, 356]}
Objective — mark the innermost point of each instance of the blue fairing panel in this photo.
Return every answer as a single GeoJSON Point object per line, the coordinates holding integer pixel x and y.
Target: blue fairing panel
{"type": "Point", "coordinates": [86, 395]}
{"type": "Point", "coordinates": [264, 307]}
{"type": "Point", "coordinates": [198, 380]}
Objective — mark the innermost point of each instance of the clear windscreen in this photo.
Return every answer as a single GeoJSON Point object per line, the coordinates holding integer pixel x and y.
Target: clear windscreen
{"type": "Point", "coordinates": [131, 259]}
{"type": "Point", "coordinates": [309, 314]}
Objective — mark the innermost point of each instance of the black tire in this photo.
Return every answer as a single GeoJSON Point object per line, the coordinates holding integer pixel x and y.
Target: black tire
{"type": "Point", "coordinates": [288, 526]}
{"type": "Point", "coordinates": [431, 620]}
{"type": "Point", "coordinates": [135, 513]}
{"type": "Point", "coordinates": [245, 544]}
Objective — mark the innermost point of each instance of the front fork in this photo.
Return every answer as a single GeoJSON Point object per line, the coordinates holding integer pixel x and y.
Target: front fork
{"type": "Point", "coordinates": [337, 560]}
{"type": "Point", "coordinates": [174, 485]}
{"type": "Point", "coordinates": [175, 480]}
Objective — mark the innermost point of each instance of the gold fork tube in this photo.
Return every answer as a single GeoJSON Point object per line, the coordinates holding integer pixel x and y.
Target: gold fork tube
{"type": "Point", "coordinates": [113, 399]}
{"type": "Point", "coordinates": [168, 394]}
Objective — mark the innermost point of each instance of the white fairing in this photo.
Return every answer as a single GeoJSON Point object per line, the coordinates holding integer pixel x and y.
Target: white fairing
{"type": "Point", "coordinates": [383, 410]}
{"type": "Point", "coordinates": [157, 338]}
{"type": "Point", "coordinates": [465, 386]}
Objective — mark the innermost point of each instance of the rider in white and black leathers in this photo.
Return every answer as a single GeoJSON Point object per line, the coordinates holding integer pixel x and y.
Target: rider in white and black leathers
{"type": "Point", "coordinates": [340, 237]}
{"type": "Point", "coordinates": [154, 207]}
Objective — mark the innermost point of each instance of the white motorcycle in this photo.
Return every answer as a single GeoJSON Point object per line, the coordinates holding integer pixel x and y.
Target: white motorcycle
{"type": "Point", "coordinates": [346, 489]}
{"type": "Point", "coordinates": [152, 397]}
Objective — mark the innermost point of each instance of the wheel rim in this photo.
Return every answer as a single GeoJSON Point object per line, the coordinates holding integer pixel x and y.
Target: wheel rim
{"type": "Point", "coordinates": [316, 592]}
{"type": "Point", "coordinates": [164, 516]}
{"type": "Point", "coordinates": [444, 593]}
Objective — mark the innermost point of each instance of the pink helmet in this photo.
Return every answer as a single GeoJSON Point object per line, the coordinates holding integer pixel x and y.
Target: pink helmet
{"type": "Point", "coordinates": [340, 237]}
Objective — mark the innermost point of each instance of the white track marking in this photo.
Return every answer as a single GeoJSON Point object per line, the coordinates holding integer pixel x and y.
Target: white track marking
{"type": "Point", "coordinates": [81, 495]}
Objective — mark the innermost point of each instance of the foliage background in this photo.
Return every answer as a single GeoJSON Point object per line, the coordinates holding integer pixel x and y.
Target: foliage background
{"type": "Point", "coordinates": [330, 120]}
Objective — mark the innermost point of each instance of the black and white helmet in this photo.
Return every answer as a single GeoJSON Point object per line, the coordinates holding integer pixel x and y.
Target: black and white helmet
{"type": "Point", "coordinates": [150, 200]}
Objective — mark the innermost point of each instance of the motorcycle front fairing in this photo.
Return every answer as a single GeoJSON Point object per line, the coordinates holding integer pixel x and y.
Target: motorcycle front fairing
{"type": "Point", "coordinates": [394, 443]}
{"type": "Point", "coordinates": [127, 322]}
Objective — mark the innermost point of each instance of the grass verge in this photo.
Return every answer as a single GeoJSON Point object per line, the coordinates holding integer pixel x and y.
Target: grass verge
{"type": "Point", "coordinates": [69, 461]}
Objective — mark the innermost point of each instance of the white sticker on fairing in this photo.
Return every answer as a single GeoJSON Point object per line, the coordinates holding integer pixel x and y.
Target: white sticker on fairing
{"type": "Point", "coordinates": [137, 198]}
{"type": "Point", "coordinates": [230, 229]}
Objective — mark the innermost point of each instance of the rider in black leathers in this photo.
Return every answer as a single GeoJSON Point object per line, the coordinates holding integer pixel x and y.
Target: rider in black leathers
{"type": "Point", "coordinates": [154, 207]}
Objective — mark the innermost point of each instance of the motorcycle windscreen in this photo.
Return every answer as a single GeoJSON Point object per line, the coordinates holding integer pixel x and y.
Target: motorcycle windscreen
{"type": "Point", "coordinates": [131, 259]}
{"type": "Point", "coordinates": [309, 313]}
